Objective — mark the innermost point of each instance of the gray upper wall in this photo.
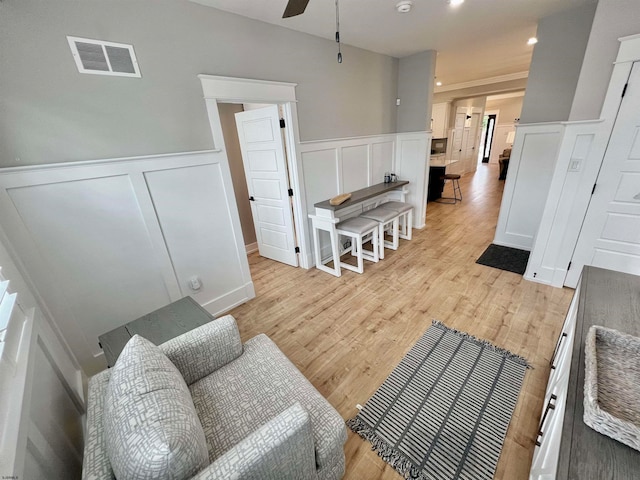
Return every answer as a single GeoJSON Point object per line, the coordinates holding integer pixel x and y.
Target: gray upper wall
{"type": "Point", "coordinates": [416, 74]}
{"type": "Point", "coordinates": [555, 65]}
{"type": "Point", "coordinates": [51, 113]}
{"type": "Point", "coordinates": [614, 19]}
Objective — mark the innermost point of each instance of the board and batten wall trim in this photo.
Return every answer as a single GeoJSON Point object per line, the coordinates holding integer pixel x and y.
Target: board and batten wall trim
{"type": "Point", "coordinates": [582, 148]}
{"type": "Point", "coordinates": [104, 242]}
{"type": "Point", "coordinates": [335, 166]}
{"type": "Point", "coordinates": [531, 166]}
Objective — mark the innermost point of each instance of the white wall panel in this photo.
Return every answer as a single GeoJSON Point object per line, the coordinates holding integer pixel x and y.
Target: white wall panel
{"type": "Point", "coordinates": [92, 247]}
{"type": "Point", "coordinates": [192, 208]}
{"type": "Point", "coordinates": [355, 167]}
{"type": "Point", "coordinates": [320, 175]}
{"type": "Point", "coordinates": [382, 156]}
{"type": "Point", "coordinates": [531, 168]}
{"type": "Point", "coordinates": [92, 236]}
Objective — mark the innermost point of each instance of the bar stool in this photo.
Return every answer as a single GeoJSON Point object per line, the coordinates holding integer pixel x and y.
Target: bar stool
{"type": "Point", "coordinates": [386, 218]}
{"type": "Point", "coordinates": [406, 217]}
{"type": "Point", "coordinates": [455, 183]}
{"type": "Point", "coordinates": [357, 228]}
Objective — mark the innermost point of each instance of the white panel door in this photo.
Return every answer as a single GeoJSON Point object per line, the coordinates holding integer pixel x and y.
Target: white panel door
{"type": "Point", "coordinates": [265, 168]}
{"type": "Point", "coordinates": [610, 235]}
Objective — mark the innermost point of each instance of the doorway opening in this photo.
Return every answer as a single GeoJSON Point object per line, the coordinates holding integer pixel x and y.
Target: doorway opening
{"type": "Point", "coordinates": [255, 139]}
{"type": "Point", "coordinates": [488, 129]}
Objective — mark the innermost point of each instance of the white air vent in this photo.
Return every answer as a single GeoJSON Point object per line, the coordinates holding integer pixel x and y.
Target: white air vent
{"type": "Point", "coordinates": [104, 58]}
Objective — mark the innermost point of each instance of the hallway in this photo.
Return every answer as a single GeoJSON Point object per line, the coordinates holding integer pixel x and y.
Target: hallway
{"type": "Point", "coordinates": [346, 334]}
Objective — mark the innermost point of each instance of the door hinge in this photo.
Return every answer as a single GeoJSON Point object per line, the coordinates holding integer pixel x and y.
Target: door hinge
{"type": "Point", "coordinates": [593, 189]}
{"type": "Point", "coordinates": [291, 192]}
{"type": "Point", "coordinates": [569, 267]}
{"type": "Point", "coordinates": [282, 124]}
{"type": "Point", "coordinates": [297, 249]}
{"type": "Point", "coordinates": [624, 90]}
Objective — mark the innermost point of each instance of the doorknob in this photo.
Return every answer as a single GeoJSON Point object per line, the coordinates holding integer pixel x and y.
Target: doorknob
{"type": "Point", "coordinates": [251, 199]}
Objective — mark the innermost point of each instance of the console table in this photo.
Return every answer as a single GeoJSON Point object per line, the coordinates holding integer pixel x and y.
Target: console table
{"type": "Point", "coordinates": [158, 326]}
{"type": "Point", "coordinates": [327, 216]}
{"type": "Point", "coordinates": [566, 447]}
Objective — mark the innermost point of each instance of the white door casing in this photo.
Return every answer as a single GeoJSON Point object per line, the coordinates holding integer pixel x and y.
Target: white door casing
{"type": "Point", "coordinates": [265, 167]}
{"type": "Point", "coordinates": [610, 235]}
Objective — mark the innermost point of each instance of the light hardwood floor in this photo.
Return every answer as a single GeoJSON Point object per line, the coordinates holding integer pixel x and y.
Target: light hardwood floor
{"type": "Point", "coordinates": [346, 334]}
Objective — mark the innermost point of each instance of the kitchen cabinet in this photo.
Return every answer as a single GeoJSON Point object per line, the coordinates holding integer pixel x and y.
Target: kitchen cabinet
{"type": "Point", "coordinates": [440, 119]}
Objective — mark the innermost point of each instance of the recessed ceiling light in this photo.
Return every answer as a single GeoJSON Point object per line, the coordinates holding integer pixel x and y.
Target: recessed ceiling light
{"type": "Point", "coordinates": [438, 84]}
{"type": "Point", "coordinates": [455, 3]}
{"type": "Point", "coordinates": [532, 41]}
{"type": "Point", "coordinates": [404, 6]}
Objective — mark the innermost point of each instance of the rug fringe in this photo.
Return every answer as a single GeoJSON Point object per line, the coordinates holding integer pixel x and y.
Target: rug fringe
{"type": "Point", "coordinates": [485, 343]}
{"type": "Point", "coordinates": [389, 454]}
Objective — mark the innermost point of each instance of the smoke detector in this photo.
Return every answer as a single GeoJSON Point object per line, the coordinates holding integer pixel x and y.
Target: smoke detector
{"type": "Point", "coordinates": [404, 6]}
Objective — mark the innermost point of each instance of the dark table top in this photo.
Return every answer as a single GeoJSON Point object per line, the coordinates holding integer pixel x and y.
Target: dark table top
{"type": "Point", "coordinates": [363, 194]}
{"type": "Point", "coordinates": [158, 326]}
{"type": "Point", "coordinates": [609, 299]}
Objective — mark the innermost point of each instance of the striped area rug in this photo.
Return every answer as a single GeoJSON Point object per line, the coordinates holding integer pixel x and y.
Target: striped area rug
{"type": "Point", "coordinates": [444, 411]}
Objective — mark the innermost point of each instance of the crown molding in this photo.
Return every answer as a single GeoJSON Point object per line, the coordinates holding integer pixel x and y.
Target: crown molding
{"type": "Point", "coordinates": [483, 81]}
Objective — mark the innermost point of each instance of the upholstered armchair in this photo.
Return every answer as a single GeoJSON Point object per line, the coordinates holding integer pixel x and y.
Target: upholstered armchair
{"type": "Point", "coordinates": [205, 406]}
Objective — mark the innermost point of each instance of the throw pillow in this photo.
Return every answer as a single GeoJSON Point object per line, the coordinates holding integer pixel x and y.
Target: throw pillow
{"type": "Point", "coordinates": [151, 427]}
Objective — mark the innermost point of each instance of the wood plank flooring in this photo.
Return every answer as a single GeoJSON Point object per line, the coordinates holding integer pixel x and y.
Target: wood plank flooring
{"type": "Point", "coordinates": [346, 334]}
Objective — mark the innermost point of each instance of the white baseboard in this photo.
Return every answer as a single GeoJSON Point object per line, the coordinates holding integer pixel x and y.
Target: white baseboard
{"type": "Point", "coordinates": [252, 247]}
{"type": "Point", "coordinates": [230, 300]}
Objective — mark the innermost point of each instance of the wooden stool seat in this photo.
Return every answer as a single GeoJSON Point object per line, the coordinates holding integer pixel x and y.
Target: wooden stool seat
{"type": "Point", "coordinates": [358, 228]}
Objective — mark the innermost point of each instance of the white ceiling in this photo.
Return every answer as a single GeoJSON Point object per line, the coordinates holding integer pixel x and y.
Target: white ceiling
{"type": "Point", "coordinates": [476, 40]}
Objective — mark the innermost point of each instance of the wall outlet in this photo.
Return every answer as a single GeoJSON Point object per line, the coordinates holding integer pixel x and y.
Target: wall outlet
{"type": "Point", "coordinates": [195, 283]}
{"type": "Point", "coordinates": [347, 244]}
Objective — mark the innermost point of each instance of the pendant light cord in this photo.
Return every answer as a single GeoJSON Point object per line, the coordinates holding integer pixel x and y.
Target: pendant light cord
{"type": "Point", "coordinates": [338, 31]}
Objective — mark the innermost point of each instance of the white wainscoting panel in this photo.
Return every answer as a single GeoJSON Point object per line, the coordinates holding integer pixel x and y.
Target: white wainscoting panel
{"type": "Point", "coordinates": [331, 167]}
{"type": "Point", "coordinates": [191, 206]}
{"type": "Point", "coordinates": [105, 242]}
{"type": "Point", "coordinates": [531, 169]}
{"type": "Point", "coordinates": [579, 158]}
{"type": "Point", "coordinates": [412, 163]}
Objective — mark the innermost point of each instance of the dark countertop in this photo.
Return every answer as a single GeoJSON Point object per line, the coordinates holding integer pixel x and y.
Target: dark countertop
{"type": "Point", "coordinates": [363, 194]}
{"type": "Point", "coordinates": [610, 299]}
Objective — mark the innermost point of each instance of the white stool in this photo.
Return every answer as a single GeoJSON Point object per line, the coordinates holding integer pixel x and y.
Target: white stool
{"type": "Point", "coordinates": [357, 228]}
{"type": "Point", "coordinates": [386, 218]}
{"type": "Point", "coordinates": [406, 217]}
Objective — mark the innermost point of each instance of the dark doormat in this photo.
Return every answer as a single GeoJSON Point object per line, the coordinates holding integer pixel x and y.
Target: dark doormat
{"type": "Point", "coordinates": [505, 258]}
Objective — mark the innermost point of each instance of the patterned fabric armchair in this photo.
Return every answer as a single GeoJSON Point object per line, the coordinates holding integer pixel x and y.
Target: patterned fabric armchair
{"type": "Point", "coordinates": [261, 418]}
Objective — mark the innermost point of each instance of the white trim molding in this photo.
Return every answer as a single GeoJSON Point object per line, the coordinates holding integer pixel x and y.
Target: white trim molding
{"type": "Point", "coordinates": [245, 90]}
{"type": "Point", "coordinates": [482, 81]}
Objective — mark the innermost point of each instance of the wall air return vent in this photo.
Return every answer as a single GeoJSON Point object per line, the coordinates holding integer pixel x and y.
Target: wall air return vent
{"type": "Point", "coordinates": [104, 58]}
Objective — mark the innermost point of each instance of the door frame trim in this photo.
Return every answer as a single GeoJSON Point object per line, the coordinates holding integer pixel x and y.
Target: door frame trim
{"type": "Point", "coordinates": [219, 89]}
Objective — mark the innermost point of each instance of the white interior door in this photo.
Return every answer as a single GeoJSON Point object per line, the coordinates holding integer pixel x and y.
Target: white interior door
{"type": "Point", "coordinates": [265, 168]}
{"type": "Point", "coordinates": [610, 235]}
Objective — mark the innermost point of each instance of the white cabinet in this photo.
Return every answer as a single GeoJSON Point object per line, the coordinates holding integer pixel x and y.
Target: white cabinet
{"type": "Point", "coordinates": [440, 119]}
{"type": "Point", "coordinates": [547, 450]}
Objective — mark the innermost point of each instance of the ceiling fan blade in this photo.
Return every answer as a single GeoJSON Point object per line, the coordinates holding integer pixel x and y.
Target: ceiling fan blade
{"type": "Point", "coordinates": [295, 7]}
